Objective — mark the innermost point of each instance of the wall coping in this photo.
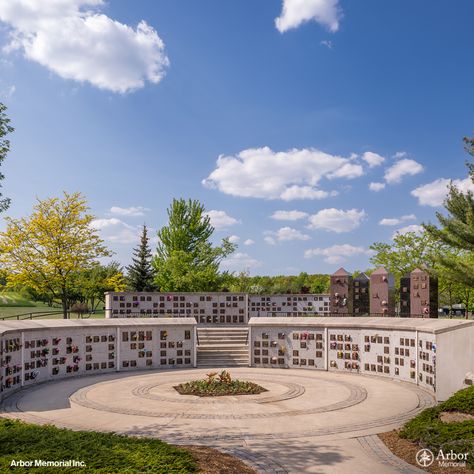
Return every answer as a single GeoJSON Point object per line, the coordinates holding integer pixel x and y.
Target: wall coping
{"type": "Point", "coordinates": [50, 324]}
{"type": "Point", "coordinates": [434, 326]}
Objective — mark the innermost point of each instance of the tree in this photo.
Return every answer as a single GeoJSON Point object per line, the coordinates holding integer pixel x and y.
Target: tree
{"type": "Point", "coordinates": [140, 274]}
{"type": "Point", "coordinates": [94, 282]}
{"type": "Point", "coordinates": [5, 129]}
{"type": "Point", "coordinates": [48, 249]}
{"type": "Point", "coordinates": [406, 252]}
{"type": "Point", "coordinates": [456, 229]}
{"type": "Point", "coordinates": [186, 260]}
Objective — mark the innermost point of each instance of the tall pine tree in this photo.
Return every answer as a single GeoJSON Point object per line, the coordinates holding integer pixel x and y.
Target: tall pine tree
{"type": "Point", "coordinates": [140, 274]}
{"type": "Point", "coordinates": [457, 229]}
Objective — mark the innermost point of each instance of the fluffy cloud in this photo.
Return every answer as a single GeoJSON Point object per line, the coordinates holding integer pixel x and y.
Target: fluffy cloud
{"type": "Point", "coordinates": [288, 215]}
{"type": "Point", "coordinates": [401, 168]}
{"type": "Point", "coordinates": [132, 211]}
{"type": "Point", "coordinates": [74, 40]}
{"type": "Point", "coordinates": [221, 220]}
{"type": "Point", "coordinates": [396, 221]}
{"type": "Point", "coordinates": [293, 174]}
{"type": "Point", "coordinates": [434, 193]}
{"type": "Point", "coordinates": [240, 261]}
{"type": "Point", "coordinates": [296, 12]}
{"type": "Point", "coordinates": [336, 253]}
{"type": "Point", "coordinates": [249, 242]}
{"type": "Point", "coordinates": [116, 231]}
{"type": "Point", "coordinates": [376, 186]}
{"type": "Point", "coordinates": [284, 234]}
{"type": "Point", "coordinates": [417, 229]}
{"type": "Point", "coordinates": [372, 159]}
{"type": "Point", "coordinates": [337, 220]}
{"type": "Point", "coordinates": [234, 239]}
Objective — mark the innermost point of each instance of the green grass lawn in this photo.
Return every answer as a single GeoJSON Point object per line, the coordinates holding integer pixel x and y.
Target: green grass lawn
{"type": "Point", "coordinates": [102, 452]}
{"type": "Point", "coordinates": [429, 431]}
{"type": "Point", "coordinates": [13, 304]}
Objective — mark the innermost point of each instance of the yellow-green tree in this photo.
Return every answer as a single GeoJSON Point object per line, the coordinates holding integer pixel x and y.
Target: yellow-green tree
{"type": "Point", "coordinates": [46, 250]}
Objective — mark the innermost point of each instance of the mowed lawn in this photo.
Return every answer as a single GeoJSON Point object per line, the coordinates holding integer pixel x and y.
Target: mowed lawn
{"type": "Point", "coordinates": [14, 304]}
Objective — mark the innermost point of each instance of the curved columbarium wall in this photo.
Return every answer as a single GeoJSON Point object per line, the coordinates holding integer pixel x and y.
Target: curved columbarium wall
{"type": "Point", "coordinates": [37, 351]}
{"type": "Point", "coordinates": [436, 355]}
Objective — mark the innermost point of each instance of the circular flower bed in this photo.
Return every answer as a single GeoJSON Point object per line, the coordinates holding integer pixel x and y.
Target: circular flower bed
{"type": "Point", "coordinates": [218, 385]}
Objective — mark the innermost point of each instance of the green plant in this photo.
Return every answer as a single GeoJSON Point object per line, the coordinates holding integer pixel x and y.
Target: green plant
{"type": "Point", "coordinates": [429, 431]}
{"type": "Point", "coordinates": [102, 452]}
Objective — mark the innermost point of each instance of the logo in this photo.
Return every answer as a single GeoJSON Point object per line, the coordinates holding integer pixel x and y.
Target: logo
{"type": "Point", "coordinates": [425, 457]}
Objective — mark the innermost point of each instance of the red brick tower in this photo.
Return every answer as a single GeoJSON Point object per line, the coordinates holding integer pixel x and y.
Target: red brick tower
{"type": "Point", "coordinates": [423, 294]}
{"type": "Point", "coordinates": [341, 293]}
{"type": "Point", "coordinates": [382, 293]}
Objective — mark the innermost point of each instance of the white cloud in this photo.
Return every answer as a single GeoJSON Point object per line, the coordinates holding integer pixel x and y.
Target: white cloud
{"type": "Point", "coordinates": [434, 193]}
{"type": "Point", "coordinates": [132, 211]}
{"type": "Point", "coordinates": [249, 242]}
{"type": "Point", "coordinates": [403, 167]}
{"type": "Point", "coordinates": [284, 234]}
{"type": "Point", "coordinates": [288, 175]}
{"type": "Point", "coordinates": [74, 40]}
{"type": "Point", "coordinates": [221, 220]}
{"type": "Point", "coordinates": [417, 229]}
{"type": "Point", "coordinates": [288, 215]}
{"type": "Point", "coordinates": [336, 253]}
{"type": "Point", "coordinates": [233, 239]}
{"type": "Point", "coordinates": [376, 186]}
{"type": "Point", "coordinates": [240, 261]}
{"type": "Point", "coordinates": [296, 12]}
{"type": "Point", "coordinates": [400, 154]}
{"type": "Point", "coordinates": [373, 159]}
{"type": "Point", "coordinates": [8, 91]}
{"type": "Point", "coordinates": [327, 43]}
{"type": "Point", "coordinates": [337, 220]}
{"type": "Point", "coordinates": [396, 221]}
{"type": "Point", "coordinates": [117, 231]}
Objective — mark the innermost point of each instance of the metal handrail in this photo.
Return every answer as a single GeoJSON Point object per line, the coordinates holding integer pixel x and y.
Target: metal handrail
{"type": "Point", "coordinates": [42, 314]}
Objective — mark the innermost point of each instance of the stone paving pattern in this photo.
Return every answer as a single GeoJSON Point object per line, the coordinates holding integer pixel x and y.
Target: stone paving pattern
{"type": "Point", "coordinates": [314, 422]}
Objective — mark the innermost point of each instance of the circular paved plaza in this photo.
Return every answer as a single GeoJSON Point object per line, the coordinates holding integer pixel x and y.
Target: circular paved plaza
{"type": "Point", "coordinates": [306, 421]}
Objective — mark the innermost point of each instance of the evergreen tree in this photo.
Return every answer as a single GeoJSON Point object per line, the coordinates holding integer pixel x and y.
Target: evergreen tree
{"type": "Point", "coordinates": [140, 273]}
{"type": "Point", "coordinates": [457, 229]}
{"type": "Point", "coordinates": [186, 259]}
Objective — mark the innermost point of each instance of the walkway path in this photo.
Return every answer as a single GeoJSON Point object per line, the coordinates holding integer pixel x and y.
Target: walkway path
{"type": "Point", "coordinates": [307, 421]}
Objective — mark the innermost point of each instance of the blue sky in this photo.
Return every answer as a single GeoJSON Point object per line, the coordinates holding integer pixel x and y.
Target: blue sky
{"type": "Point", "coordinates": [133, 103]}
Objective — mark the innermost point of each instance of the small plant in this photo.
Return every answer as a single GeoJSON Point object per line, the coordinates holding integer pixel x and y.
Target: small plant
{"type": "Point", "coordinates": [225, 377]}
{"type": "Point", "coordinates": [219, 385]}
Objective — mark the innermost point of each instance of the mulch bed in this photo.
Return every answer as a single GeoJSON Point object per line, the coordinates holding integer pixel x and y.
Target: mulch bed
{"type": "Point", "coordinates": [211, 461]}
{"type": "Point", "coordinates": [407, 450]}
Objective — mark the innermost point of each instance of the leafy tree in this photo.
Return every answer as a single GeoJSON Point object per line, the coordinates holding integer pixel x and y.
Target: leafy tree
{"type": "Point", "coordinates": [186, 259]}
{"type": "Point", "coordinates": [48, 249]}
{"type": "Point", "coordinates": [140, 275]}
{"type": "Point", "coordinates": [92, 283]}
{"type": "Point", "coordinates": [406, 252]}
{"type": "Point", "coordinates": [456, 229]}
{"type": "Point", "coordinates": [5, 129]}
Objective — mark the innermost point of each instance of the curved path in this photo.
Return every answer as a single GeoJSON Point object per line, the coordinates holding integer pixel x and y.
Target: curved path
{"type": "Point", "coordinates": [307, 421]}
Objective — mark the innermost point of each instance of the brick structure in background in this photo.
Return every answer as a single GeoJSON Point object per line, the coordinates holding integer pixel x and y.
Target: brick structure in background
{"type": "Point", "coordinates": [361, 301]}
{"type": "Point", "coordinates": [382, 293]}
{"type": "Point", "coordinates": [341, 293]}
{"type": "Point", "coordinates": [405, 311]}
{"type": "Point", "coordinates": [423, 294]}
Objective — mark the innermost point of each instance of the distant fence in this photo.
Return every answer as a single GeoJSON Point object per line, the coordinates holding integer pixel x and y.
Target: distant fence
{"type": "Point", "coordinates": [42, 314]}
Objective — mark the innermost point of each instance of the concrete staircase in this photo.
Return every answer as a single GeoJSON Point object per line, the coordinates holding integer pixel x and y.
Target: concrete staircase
{"type": "Point", "coordinates": [222, 347]}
